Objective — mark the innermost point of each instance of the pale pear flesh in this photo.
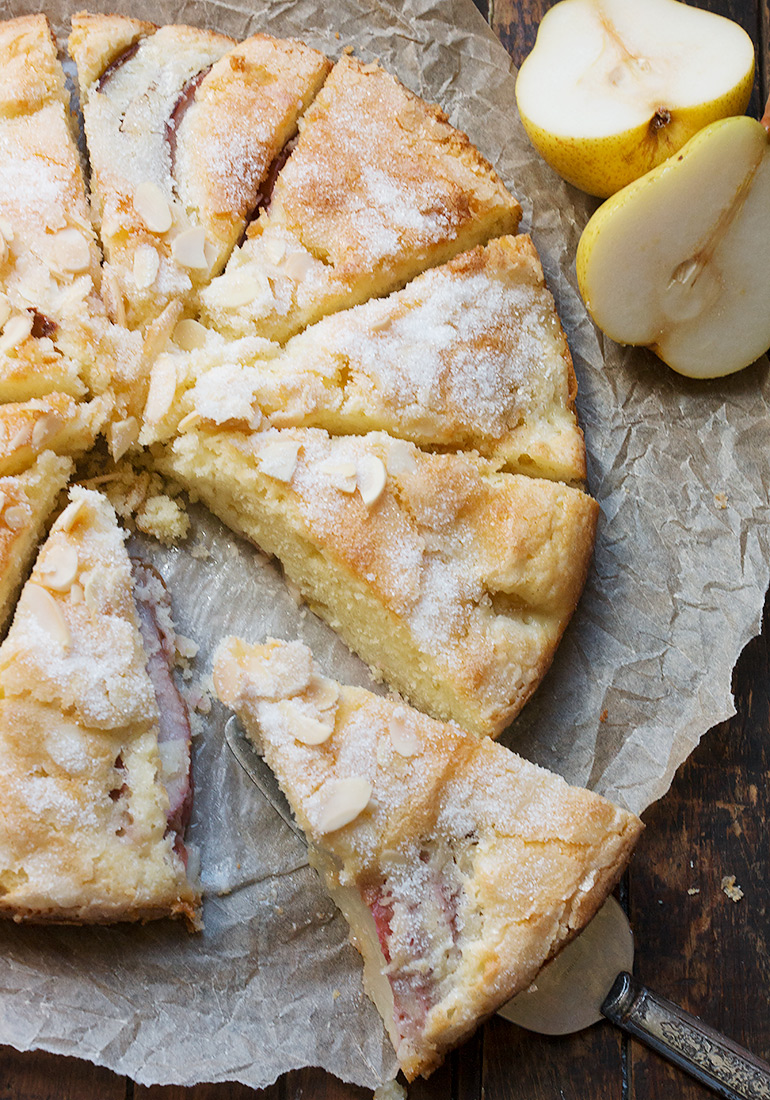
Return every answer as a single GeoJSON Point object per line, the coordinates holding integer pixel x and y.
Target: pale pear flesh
{"type": "Point", "coordinates": [679, 261]}
{"type": "Point", "coordinates": [614, 87]}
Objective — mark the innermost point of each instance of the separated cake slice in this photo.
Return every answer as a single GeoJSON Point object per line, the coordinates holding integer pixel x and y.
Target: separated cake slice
{"type": "Point", "coordinates": [455, 581]}
{"type": "Point", "coordinates": [469, 356]}
{"type": "Point", "coordinates": [27, 500]}
{"type": "Point", "coordinates": [53, 423]}
{"type": "Point", "coordinates": [94, 783]}
{"type": "Point", "coordinates": [460, 867]}
{"type": "Point", "coordinates": [182, 127]}
{"type": "Point", "coordinates": [378, 188]}
{"type": "Point", "coordinates": [52, 320]}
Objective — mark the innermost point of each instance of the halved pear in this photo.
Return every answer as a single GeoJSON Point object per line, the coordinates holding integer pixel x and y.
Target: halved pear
{"type": "Point", "coordinates": [679, 261]}
{"type": "Point", "coordinates": [613, 88]}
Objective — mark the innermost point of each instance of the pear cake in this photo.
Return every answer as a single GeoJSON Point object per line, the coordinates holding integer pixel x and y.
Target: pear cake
{"type": "Point", "coordinates": [182, 127]}
{"type": "Point", "coordinates": [470, 355]}
{"type": "Point", "coordinates": [94, 740]}
{"type": "Point", "coordinates": [378, 187]}
{"type": "Point", "coordinates": [460, 868]}
{"type": "Point", "coordinates": [454, 580]}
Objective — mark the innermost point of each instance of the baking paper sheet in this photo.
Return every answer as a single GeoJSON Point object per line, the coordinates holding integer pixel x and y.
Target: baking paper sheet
{"type": "Point", "coordinates": [644, 669]}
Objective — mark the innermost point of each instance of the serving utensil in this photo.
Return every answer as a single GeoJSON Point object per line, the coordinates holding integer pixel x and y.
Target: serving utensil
{"type": "Point", "coordinates": [588, 980]}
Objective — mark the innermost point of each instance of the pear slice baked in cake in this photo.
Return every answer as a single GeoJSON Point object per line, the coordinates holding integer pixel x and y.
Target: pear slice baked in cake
{"type": "Point", "coordinates": [469, 356]}
{"type": "Point", "coordinates": [182, 127]}
{"type": "Point", "coordinates": [94, 746]}
{"type": "Point", "coordinates": [378, 188]}
{"type": "Point", "coordinates": [452, 579]}
{"type": "Point", "coordinates": [460, 867]}
{"type": "Point", "coordinates": [52, 321]}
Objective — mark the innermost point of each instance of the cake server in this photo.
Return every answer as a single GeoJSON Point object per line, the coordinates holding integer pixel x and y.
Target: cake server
{"type": "Point", "coordinates": [589, 979]}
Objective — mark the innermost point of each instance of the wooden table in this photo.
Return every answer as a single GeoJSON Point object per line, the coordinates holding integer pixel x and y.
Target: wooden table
{"type": "Point", "coordinates": [694, 944]}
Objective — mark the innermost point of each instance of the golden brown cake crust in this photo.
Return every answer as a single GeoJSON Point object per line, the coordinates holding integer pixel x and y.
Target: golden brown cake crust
{"type": "Point", "coordinates": [476, 866]}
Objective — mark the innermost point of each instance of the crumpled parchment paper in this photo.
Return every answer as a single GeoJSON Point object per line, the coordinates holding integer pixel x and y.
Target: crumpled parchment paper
{"type": "Point", "coordinates": [643, 671]}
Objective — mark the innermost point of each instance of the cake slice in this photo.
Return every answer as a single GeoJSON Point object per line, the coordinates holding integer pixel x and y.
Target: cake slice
{"type": "Point", "coordinates": [453, 580]}
{"type": "Point", "coordinates": [469, 356]}
{"type": "Point", "coordinates": [182, 127]}
{"type": "Point", "coordinates": [378, 188]}
{"type": "Point", "coordinates": [460, 867]}
{"type": "Point", "coordinates": [52, 322]}
{"type": "Point", "coordinates": [94, 740]}
{"type": "Point", "coordinates": [53, 423]}
{"type": "Point", "coordinates": [27, 500]}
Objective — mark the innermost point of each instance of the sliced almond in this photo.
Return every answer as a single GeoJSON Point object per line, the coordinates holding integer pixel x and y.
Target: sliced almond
{"type": "Point", "coordinates": [77, 595]}
{"type": "Point", "coordinates": [15, 517]}
{"type": "Point", "coordinates": [113, 297]}
{"type": "Point", "coordinates": [20, 438]}
{"type": "Point", "coordinates": [70, 252]}
{"type": "Point", "coordinates": [70, 514]}
{"type": "Point", "coordinates": [401, 457]}
{"type": "Point", "coordinates": [323, 693]}
{"type": "Point", "coordinates": [5, 310]}
{"type": "Point", "coordinates": [342, 475]}
{"type": "Point", "coordinates": [344, 800]}
{"type": "Point", "coordinates": [122, 435]}
{"type": "Point", "coordinates": [146, 266]}
{"type": "Point", "coordinates": [404, 740]}
{"type": "Point", "coordinates": [2, 500]}
{"type": "Point", "coordinates": [162, 390]}
{"type": "Point", "coordinates": [191, 420]}
{"type": "Point", "coordinates": [151, 206]}
{"type": "Point", "coordinates": [188, 249]}
{"type": "Point", "coordinates": [6, 229]}
{"type": "Point", "coordinates": [45, 429]}
{"type": "Point", "coordinates": [60, 567]}
{"type": "Point", "coordinates": [275, 249]}
{"type": "Point", "coordinates": [15, 331]}
{"type": "Point", "coordinates": [372, 476]}
{"type": "Point", "coordinates": [279, 459]}
{"type": "Point", "coordinates": [189, 335]}
{"type": "Point", "coordinates": [298, 265]}
{"type": "Point", "coordinates": [303, 727]}
{"type": "Point", "coordinates": [185, 647]}
{"type": "Point", "coordinates": [48, 613]}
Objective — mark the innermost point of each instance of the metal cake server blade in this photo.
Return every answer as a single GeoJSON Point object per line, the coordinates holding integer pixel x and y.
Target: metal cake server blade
{"type": "Point", "coordinates": [588, 980]}
{"type": "Point", "coordinates": [591, 978]}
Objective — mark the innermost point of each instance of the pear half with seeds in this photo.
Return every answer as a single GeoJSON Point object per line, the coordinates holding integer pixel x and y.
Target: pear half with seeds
{"type": "Point", "coordinates": [613, 88]}
{"type": "Point", "coordinates": [679, 261]}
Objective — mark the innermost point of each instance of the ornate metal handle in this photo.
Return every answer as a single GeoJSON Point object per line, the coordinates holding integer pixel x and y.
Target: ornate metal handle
{"type": "Point", "coordinates": [686, 1041]}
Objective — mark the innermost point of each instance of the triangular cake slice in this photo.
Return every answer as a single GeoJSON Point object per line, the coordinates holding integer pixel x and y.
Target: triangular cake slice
{"type": "Point", "coordinates": [469, 356]}
{"type": "Point", "coordinates": [182, 126]}
{"type": "Point", "coordinates": [452, 579]}
{"type": "Point", "coordinates": [378, 188]}
{"type": "Point", "coordinates": [27, 500]}
{"type": "Point", "coordinates": [460, 867]}
{"type": "Point", "coordinates": [94, 754]}
{"type": "Point", "coordinates": [51, 318]}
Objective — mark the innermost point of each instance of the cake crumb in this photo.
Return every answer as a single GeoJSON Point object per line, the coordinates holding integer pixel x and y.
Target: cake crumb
{"type": "Point", "coordinates": [733, 892]}
{"type": "Point", "coordinates": [720, 499]}
{"type": "Point", "coordinates": [164, 519]}
{"type": "Point", "coordinates": [391, 1090]}
{"type": "Point", "coordinates": [693, 890]}
{"type": "Point", "coordinates": [603, 716]}
{"type": "Point", "coordinates": [336, 994]}
{"type": "Point", "coordinates": [200, 552]}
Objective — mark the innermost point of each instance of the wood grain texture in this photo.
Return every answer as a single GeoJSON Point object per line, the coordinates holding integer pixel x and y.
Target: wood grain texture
{"type": "Point", "coordinates": [39, 1076]}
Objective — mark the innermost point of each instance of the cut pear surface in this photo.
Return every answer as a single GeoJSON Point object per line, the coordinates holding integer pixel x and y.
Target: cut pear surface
{"type": "Point", "coordinates": [678, 260]}
{"type": "Point", "coordinates": [614, 87]}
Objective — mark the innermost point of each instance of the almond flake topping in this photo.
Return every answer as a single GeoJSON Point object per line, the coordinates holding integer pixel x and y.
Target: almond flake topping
{"type": "Point", "coordinates": [303, 727]}
{"type": "Point", "coordinates": [189, 334]}
{"type": "Point", "coordinates": [20, 438]}
{"type": "Point", "coordinates": [162, 390]}
{"type": "Point", "coordinates": [15, 517]}
{"type": "Point", "coordinates": [342, 475]}
{"type": "Point", "coordinates": [60, 567]}
{"type": "Point", "coordinates": [5, 310]}
{"type": "Point", "coordinates": [122, 434]}
{"type": "Point", "coordinates": [190, 420]}
{"type": "Point", "coordinates": [298, 265]}
{"type": "Point", "coordinates": [244, 286]}
{"type": "Point", "coordinates": [279, 459]}
{"type": "Point", "coordinates": [345, 800]}
{"type": "Point", "coordinates": [401, 457]}
{"type": "Point", "coordinates": [6, 230]}
{"type": "Point", "coordinates": [372, 476]}
{"type": "Point", "coordinates": [15, 331]}
{"type": "Point", "coordinates": [188, 249]}
{"type": "Point", "coordinates": [45, 429]}
{"type": "Point", "coordinates": [146, 266]}
{"type": "Point", "coordinates": [2, 500]}
{"type": "Point", "coordinates": [403, 739]}
{"type": "Point", "coordinates": [322, 693]}
{"type": "Point", "coordinates": [70, 514]}
{"type": "Point", "coordinates": [275, 249]}
{"type": "Point", "coordinates": [77, 595]}
{"type": "Point", "coordinates": [151, 206]}
{"type": "Point", "coordinates": [48, 613]}
{"type": "Point", "coordinates": [70, 252]}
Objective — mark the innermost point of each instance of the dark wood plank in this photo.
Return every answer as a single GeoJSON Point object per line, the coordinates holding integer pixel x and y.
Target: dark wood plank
{"type": "Point", "coordinates": [705, 951]}
{"type": "Point", "coordinates": [35, 1075]}
{"type": "Point", "coordinates": [763, 49]}
{"type": "Point", "coordinates": [515, 23]}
